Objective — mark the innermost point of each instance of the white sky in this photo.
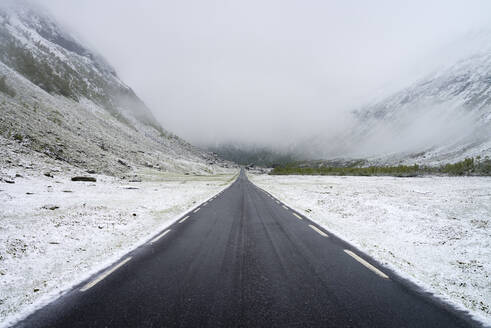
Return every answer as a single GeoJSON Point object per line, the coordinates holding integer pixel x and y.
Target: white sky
{"type": "Point", "coordinates": [263, 71]}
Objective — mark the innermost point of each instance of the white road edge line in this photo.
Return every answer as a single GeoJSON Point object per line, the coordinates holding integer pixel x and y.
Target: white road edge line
{"type": "Point", "coordinates": [320, 232]}
{"type": "Point", "coordinates": [187, 217]}
{"type": "Point", "coordinates": [366, 264]}
{"type": "Point", "coordinates": [104, 275]}
{"type": "Point", "coordinates": [196, 210]}
{"type": "Point", "coordinates": [298, 216]}
{"type": "Point", "coordinates": [160, 236]}
{"type": "Point", "coordinates": [284, 207]}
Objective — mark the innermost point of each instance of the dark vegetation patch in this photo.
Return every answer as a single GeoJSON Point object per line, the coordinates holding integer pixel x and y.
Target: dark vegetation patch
{"type": "Point", "coordinates": [468, 167]}
{"type": "Point", "coordinates": [259, 156]}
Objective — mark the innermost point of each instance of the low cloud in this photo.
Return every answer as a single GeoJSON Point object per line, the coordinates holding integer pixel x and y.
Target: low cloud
{"type": "Point", "coordinates": [267, 72]}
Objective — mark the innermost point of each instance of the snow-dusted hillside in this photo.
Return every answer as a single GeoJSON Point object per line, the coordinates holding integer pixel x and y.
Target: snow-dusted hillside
{"type": "Point", "coordinates": [467, 82]}
{"type": "Point", "coordinates": [445, 116]}
{"type": "Point", "coordinates": [59, 98]}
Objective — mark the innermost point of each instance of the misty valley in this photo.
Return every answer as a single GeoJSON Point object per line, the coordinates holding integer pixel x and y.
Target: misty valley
{"type": "Point", "coordinates": [245, 164]}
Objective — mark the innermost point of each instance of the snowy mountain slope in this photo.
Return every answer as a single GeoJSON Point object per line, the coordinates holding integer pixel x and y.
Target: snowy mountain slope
{"type": "Point", "coordinates": [38, 49]}
{"type": "Point", "coordinates": [444, 117]}
{"type": "Point", "coordinates": [59, 98]}
{"type": "Point", "coordinates": [467, 82]}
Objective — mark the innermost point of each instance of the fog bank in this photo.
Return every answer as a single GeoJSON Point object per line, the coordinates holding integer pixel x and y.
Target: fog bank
{"type": "Point", "coordinates": [267, 72]}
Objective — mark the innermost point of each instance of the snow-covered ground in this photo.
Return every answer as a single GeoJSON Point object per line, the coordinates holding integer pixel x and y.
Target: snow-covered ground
{"type": "Point", "coordinates": [435, 231]}
{"type": "Point", "coordinates": [55, 232]}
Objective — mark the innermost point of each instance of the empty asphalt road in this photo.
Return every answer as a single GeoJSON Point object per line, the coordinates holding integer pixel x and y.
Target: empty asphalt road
{"type": "Point", "coordinates": [243, 259]}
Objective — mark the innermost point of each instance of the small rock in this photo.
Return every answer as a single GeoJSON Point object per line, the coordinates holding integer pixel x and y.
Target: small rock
{"type": "Point", "coordinates": [36, 290]}
{"type": "Point", "coordinates": [123, 163]}
{"type": "Point", "coordinates": [130, 187]}
{"type": "Point", "coordinates": [67, 191]}
{"type": "Point", "coordinates": [134, 214]}
{"type": "Point", "coordinates": [8, 181]}
{"type": "Point", "coordinates": [48, 174]}
{"type": "Point", "coordinates": [91, 171]}
{"type": "Point", "coordinates": [135, 180]}
{"type": "Point", "coordinates": [17, 175]}
{"type": "Point", "coordinates": [54, 242]}
{"type": "Point", "coordinates": [29, 193]}
{"type": "Point", "coordinates": [51, 207]}
{"type": "Point", "coordinates": [84, 178]}
{"type": "Point", "coordinates": [100, 227]}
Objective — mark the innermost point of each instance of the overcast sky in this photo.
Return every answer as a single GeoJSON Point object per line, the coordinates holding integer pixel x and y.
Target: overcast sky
{"type": "Point", "coordinates": [266, 71]}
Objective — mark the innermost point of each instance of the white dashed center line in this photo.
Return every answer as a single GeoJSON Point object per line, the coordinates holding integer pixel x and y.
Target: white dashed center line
{"type": "Point", "coordinates": [159, 236]}
{"type": "Point", "coordinates": [284, 207]}
{"type": "Point", "coordinates": [104, 275]}
{"type": "Point", "coordinates": [298, 216]}
{"type": "Point", "coordinates": [366, 264]}
{"type": "Point", "coordinates": [320, 232]}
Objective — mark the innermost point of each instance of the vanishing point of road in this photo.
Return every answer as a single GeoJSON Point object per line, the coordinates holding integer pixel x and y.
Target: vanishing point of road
{"type": "Point", "coordinates": [244, 259]}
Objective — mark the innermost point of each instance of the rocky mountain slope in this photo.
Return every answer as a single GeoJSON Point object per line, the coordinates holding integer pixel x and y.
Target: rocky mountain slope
{"type": "Point", "coordinates": [63, 100]}
{"type": "Point", "coordinates": [443, 117]}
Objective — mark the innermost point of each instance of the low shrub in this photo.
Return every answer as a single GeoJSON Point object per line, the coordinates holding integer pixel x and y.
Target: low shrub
{"type": "Point", "coordinates": [468, 166]}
